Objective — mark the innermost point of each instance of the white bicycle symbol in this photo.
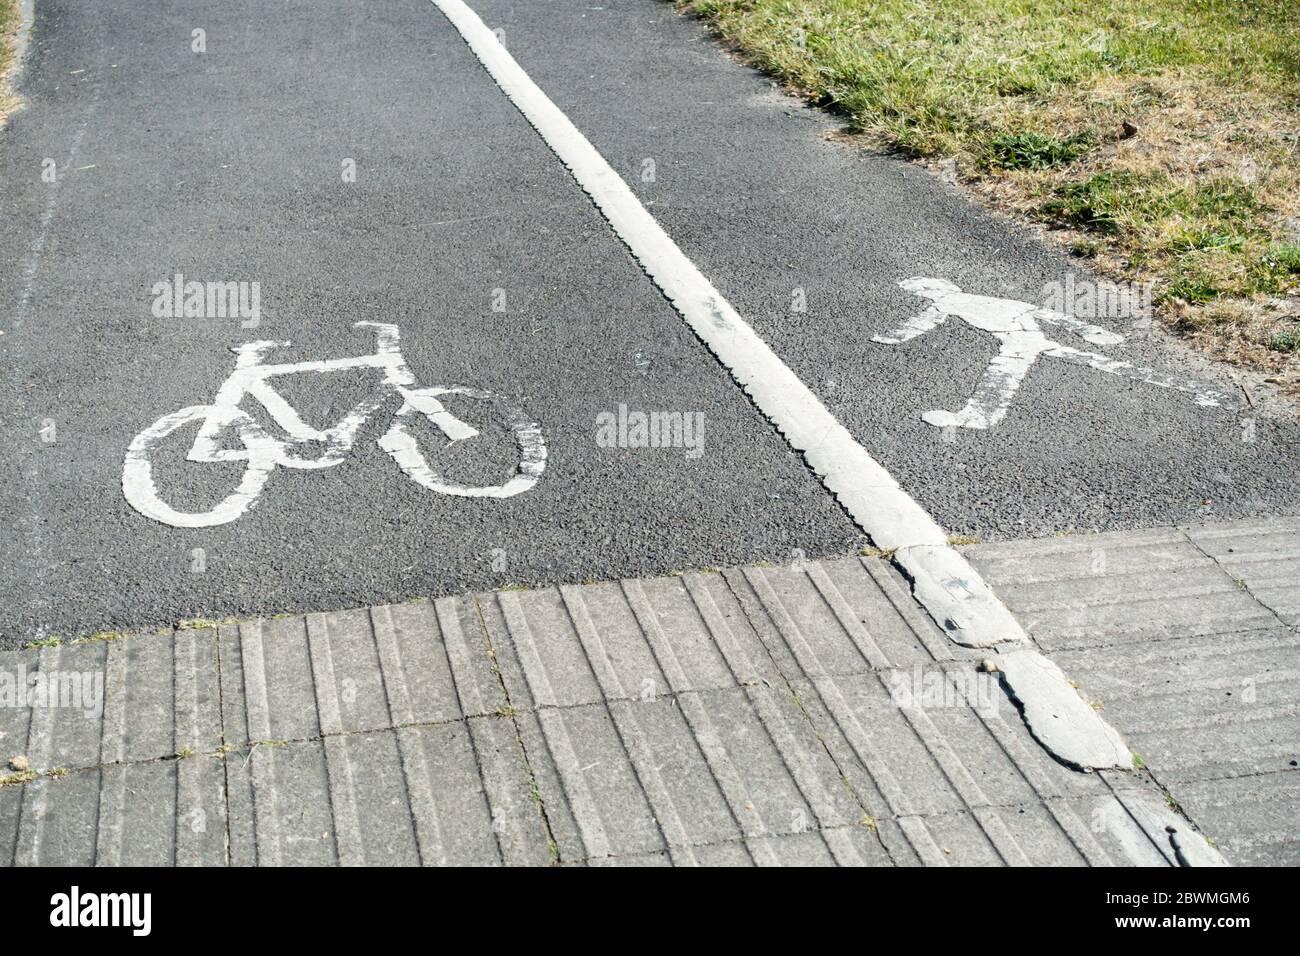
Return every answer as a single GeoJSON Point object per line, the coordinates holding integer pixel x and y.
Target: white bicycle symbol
{"type": "Point", "coordinates": [264, 452]}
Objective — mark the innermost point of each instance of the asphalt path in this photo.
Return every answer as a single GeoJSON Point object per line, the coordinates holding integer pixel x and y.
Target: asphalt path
{"type": "Point", "coordinates": [461, 229]}
{"type": "Point", "coordinates": [748, 185]}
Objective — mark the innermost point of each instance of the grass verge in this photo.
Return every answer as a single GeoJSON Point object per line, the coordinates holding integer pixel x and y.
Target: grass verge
{"type": "Point", "coordinates": [1159, 139]}
{"type": "Point", "coordinates": [8, 45]}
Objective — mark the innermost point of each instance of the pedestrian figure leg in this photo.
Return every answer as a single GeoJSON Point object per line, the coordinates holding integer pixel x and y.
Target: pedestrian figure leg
{"type": "Point", "coordinates": [992, 397]}
{"type": "Point", "coordinates": [1203, 396]}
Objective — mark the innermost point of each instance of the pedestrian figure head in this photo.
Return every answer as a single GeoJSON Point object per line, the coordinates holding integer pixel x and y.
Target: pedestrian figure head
{"type": "Point", "coordinates": [930, 288]}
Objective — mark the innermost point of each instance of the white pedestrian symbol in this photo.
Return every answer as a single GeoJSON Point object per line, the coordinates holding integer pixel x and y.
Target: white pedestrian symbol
{"type": "Point", "coordinates": [263, 452]}
{"type": "Point", "coordinates": [1017, 327]}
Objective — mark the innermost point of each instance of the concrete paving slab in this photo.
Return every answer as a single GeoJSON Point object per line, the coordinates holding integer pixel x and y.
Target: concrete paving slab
{"type": "Point", "coordinates": [202, 837]}
{"type": "Point", "coordinates": [621, 660]}
{"type": "Point", "coordinates": [549, 659]}
{"type": "Point", "coordinates": [791, 849]}
{"type": "Point", "coordinates": [1263, 555]}
{"type": "Point", "coordinates": [277, 696]}
{"type": "Point", "coordinates": [15, 671]}
{"type": "Point", "coordinates": [346, 674]}
{"type": "Point", "coordinates": [566, 843]}
{"type": "Point", "coordinates": [596, 782]}
{"type": "Point", "coordinates": [11, 806]}
{"type": "Point", "coordinates": [687, 801]}
{"type": "Point", "coordinates": [518, 818]}
{"type": "Point", "coordinates": [58, 821]}
{"type": "Point", "coordinates": [872, 741]}
{"type": "Point", "coordinates": [279, 795]}
{"type": "Point", "coordinates": [197, 689]}
{"type": "Point", "coordinates": [1163, 631]}
{"type": "Point", "coordinates": [161, 813]}
{"type": "Point", "coordinates": [473, 663]}
{"type": "Point", "coordinates": [1090, 590]}
{"type": "Point", "coordinates": [726, 854]}
{"type": "Point", "coordinates": [698, 647]}
{"type": "Point", "coordinates": [1231, 749]}
{"type": "Point", "coordinates": [795, 715]}
{"type": "Point", "coordinates": [60, 736]}
{"type": "Point", "coordinates": [1256, 816]}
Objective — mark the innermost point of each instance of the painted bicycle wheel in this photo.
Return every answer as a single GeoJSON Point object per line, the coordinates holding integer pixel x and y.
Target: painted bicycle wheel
{"type": "Point", "coordinates": [486, 413]}
{"type": "Point", "coordinates": [137, 470]}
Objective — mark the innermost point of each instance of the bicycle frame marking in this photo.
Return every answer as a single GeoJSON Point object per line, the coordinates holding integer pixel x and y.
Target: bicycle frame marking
{"type": "Point", "coordinates": [264, 453]}
{"type": "Point", "coordinates": [252, 378]}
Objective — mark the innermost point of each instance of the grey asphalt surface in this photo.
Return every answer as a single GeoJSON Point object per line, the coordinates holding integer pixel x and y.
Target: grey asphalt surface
{"type": "Point", "coordinates": [748, 186]}
{"type": "Point", "coordinates": [226, 166]}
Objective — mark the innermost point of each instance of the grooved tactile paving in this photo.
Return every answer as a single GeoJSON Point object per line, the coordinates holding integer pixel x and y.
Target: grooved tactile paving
{"type": "Point", "coordinates": [799, 715]}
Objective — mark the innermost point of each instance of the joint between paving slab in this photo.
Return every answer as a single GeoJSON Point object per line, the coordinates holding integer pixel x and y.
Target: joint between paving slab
{"type": "Point", "coordinates": [1151, 639]}
{"type": "Point", "coordinates": [1166, 846]}
{"type": "Point", "coordinates": [869, 819]}
{"type": "Point", "coordinates": [226, 749]}
{"type": "Point", "coordinates": [221, 728]}
{"type": "Point", "coordinates": [1220, 778]}
{"type": "Point", "coordinates": [744, 841]}
{"type": "Point", "coordinates": [534, 791]}
{"type": "Point", "coordinates": [1239, 582]}
{"type": "Point", "coordinates": [867, 812]}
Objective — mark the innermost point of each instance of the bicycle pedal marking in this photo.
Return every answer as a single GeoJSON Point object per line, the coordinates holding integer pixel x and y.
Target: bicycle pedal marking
{"type": "Point", "coordinates": [264, 453]}
{"type": "Point", "coordinates": [1018, 329]}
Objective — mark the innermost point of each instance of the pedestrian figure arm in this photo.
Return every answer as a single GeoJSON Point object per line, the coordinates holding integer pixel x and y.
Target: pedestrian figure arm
{"type": "Point", "coordinates": [916, 325]}
{"type": "Point", "coordinates": [1085, 330]}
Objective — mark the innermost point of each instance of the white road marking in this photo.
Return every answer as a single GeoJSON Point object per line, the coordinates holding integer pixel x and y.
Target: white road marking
{"type": "Point", "coordinates": [263, 453]}
{"type": "Point", "coordinates": [866, 490]}
{"type": "Point", "coordinates": [1017, 327]}
{"type": "Point", "coordinates": [15, 346]}
{"type": "Point", "coordinates": [945, 584]}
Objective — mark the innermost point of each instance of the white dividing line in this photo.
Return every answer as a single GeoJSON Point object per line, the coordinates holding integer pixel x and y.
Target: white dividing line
{"type": "Point", "coordinates": [944, 583]}
{"type": "Point", "coordinates": [959, 599]}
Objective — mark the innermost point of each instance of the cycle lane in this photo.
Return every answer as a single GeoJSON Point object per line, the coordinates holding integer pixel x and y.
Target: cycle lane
{"type": "Point", "coordinates": [812, 241]}
{"type": "Point", "coordinates": [225, 165]}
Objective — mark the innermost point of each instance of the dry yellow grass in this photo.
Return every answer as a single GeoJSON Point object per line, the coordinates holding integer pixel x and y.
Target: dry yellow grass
{"type": "Point", "coordinates": [1185, 133]}
{"type": "Point", "coordinates": [8, 41]}
{"type": "Point", "coordinates": [1159, 139]}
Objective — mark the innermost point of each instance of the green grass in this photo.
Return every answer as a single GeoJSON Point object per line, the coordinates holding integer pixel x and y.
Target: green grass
{"type": "Point", "coordinates": [1160, 135]}
{"type": "Point", "coordinates": [8, 27]}
{"type": "Point", "coordinates": [1288, 341]}
{"type": "Point", "coordinates": [1033, 150]}
{"type": "Point", "coordinates": [201, 624]}
{"type": "Point", "coordinates": [24, 776]}
{"type": "Point", "coordinates": [1284, 258]}
{"type": "Point", "coordinates": [935, 75]}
